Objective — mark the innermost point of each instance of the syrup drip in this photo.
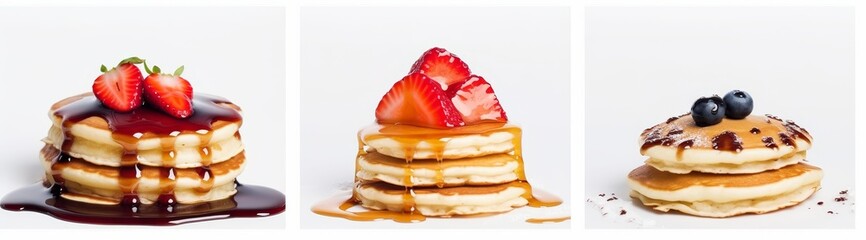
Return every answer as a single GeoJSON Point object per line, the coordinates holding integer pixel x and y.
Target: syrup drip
{"type": "Point", "coordinates": [755, 131]}
{"type": "Point", "coordinates": [682, 147]}
{"type": "Point", "coordinates": [787, 140]}
{"type": "Point", "coordinates": [728, 141]}
{"type": "Point", "coordinates": [769, 142]}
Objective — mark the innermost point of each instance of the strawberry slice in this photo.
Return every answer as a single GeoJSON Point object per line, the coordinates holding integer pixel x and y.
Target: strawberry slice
{"type": "Point", "coordinates": [476, 101]}
{"type": "Point", "coordinates": [168, 92]}
{"type": "Point", "coordinates": [120, 88]}
{"type": "Point", "coordinates": [418, 100]}
{"type": "Point", "coordinates": [442, 66]}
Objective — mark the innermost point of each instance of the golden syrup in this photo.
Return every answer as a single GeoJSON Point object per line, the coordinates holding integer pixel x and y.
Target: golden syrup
{"type": "Point", "coordinates": [339, 205]}
{"type": "Point", "coordinates": [548, 220]}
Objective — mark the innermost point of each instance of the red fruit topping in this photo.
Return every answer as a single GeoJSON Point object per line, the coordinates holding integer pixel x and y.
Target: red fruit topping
{"type": "Point", "coordinates": [168, 92]}
{"type": "Point", "coordinates": [476, 101]}
{"type": "Point", "coordinates": [442, 66]}
{"type": "Point", "coordinates": [120, 88]}
{"type": "Point", "coordinates": [418, 100]}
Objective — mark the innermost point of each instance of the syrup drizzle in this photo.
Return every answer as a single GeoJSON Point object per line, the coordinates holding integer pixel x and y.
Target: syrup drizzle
{"type": "Point", "coordinates": [682, 147]}
{"type": "Point", "coordinates": [728, 141]}
{"type": "Point", "coordinates": [769, 142]}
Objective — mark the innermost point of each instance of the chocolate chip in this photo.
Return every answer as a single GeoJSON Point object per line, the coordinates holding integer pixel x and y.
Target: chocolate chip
{"type": "Point", "coordinates": [840, 199]}
{"type": "Point", "coordinates": [601, 195]}
{"type": "Point", "coordinates": [622, 212]}
{"type": "Point", "coordinates": [820, 203]}
{"type": "Point", "coordinates": [844, 192]}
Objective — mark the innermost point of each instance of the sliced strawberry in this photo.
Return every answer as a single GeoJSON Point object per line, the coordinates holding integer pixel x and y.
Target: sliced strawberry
{"type": "Point", "coordinates": [417, 100]}
{"type": "Point", "coordinates": [120, 88]}
{"type": "Point", "coordinates": [475, 100]}
{"type": "Point", "coordinates": [442, 66]}
{"type": "Point", "coordinates": [170, 93]}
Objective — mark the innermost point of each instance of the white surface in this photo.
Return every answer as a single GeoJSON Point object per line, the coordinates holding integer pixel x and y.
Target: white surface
{"type": "Point", "coordinates": [644, 65]}
{"type": "Point", "coordinates": [349, 62]}
{"type": "Point", "coordinates": [47, 54]}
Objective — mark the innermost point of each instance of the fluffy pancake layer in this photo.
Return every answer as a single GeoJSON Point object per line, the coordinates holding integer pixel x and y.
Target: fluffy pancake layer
{"type": "Point", "coordinates": [404, 141]}
{"type": "Point", "coordinates": [93, 182]}
{"type": "Point", "coordinates": [757, 141]}
{"type": "Point", "coordinates": [722, 195]}
{"type": "Point", "coordinates": [95, 142]}
{"type": "Point", "coordinates": [727, 168]}
{"type": "Point", "coordinates": [484, 170]}
{"type": "Point", "coordinates": [443, 201]}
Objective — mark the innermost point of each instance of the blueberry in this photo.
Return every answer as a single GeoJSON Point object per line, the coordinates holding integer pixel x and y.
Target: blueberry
{"type": "Point", "coordinates": [739, 104]}
{"type": "Point", "coordinates": [708, 111]}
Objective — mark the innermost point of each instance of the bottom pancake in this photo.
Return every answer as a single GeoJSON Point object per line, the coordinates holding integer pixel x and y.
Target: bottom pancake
{"type": "Point", "coordinates": [443, 202]}
{"type": "Point", "coordinates": [81, 193]}
{"type": "Point", "coordinates": [724, 195]}
{"type": "Point", "coordinates": [728, 209]}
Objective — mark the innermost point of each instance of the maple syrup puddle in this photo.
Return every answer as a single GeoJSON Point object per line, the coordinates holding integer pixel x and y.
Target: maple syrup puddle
{"type": "Point", "coordinates": [249, 201]}
{"type": "Point", "coordinates": [548, 220]}
{"type": "Point", "coordinates": [338, 206]}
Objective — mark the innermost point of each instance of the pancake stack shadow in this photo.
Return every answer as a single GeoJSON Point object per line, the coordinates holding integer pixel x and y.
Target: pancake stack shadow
{"type": "Point", "coordinates": [738, 166]}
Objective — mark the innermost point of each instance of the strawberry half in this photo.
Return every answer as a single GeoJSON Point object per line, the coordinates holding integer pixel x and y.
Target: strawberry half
{"type": "Point", "coordinates": [168, 92]}
{"type": "Point", "coordinates": [442, 66]}
{"type": "Point", "coordinates": [475, 100]}
{"type": "Point", "coordinates": [418, 100]}
{"type": "Point", "coordinates": [120, 88]}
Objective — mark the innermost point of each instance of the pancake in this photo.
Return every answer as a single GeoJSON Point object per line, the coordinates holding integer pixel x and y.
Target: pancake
{"type": "Point", "coordinates": [727, 168]}
{"type": "Point", "coordinates": [443, 202]}
{"type": "Point", "coordinates": [724, 195]}
{"type": "Point", "coordinates": [681, 146]}
{"type": "Point", "coordinates": [192, 185]}
{"type": "Point", "coordinates": [411, 142]}
{"type": "Point", "coordinates": [485, 170]}
{"type": "Point", "coordinates": [93, 139]}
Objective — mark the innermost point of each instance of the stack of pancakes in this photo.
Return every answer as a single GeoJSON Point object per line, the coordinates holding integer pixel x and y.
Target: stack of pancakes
{"type": "Point", "coordinates": [751, 165]}
{"type": "Point", "coordinates": [92, 154]}
{"type": "Point", "coordinates": [435, 172]}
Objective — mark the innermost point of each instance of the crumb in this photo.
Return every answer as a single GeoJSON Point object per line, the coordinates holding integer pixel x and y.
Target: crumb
{"type": "Point", "coordinates": [601, 195]}
{"type": "Point", "coordinates": [622, 212]}
{"type": "Point", "coordinates": [604, 214]}
{"type": "Point", "coordinates": [844, 192]}
{"type": "Point", "coordinates": [820, 203]}
{"type": "Point", "coordinates": [840, 199]}
{"type": "Point", "coordinates": [611, 199]}
{"type": "Point", "coordinates": [612, 194]}
{"type": "Point", "coordinates": [830, 212]}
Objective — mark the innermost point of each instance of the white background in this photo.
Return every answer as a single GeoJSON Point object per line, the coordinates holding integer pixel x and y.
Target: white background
{"type": "Point", "coordinates": [47, 54]}
{"type": "Point", "coordinates": [348, 62]}
{"type": "Point", "coordinates": [645, 64]}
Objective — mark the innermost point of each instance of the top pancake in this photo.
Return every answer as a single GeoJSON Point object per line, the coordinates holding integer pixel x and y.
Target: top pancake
{"type": "Point", "coordinates": [411, 142]}
{"type": "Point", "coordinates": [755, 138]}
{"type": "Point", "coordinates": [94, 139]}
